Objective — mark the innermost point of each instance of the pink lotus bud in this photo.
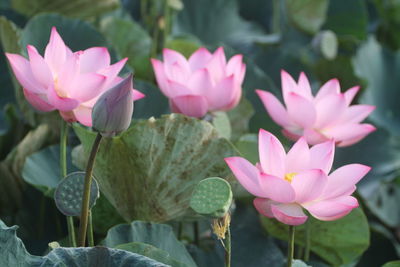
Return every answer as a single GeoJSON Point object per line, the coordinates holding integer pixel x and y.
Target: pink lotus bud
{"type": "Point", "coordinates": [328, 115]}
{"type": "Point", "coordinates": [70, 82]}
{"type": "Point", "coordinates": [286, 183]}
{"type": "Point", "coordinates": [112, 113]}
{"type": "Point", "coordinates": [205, 82]}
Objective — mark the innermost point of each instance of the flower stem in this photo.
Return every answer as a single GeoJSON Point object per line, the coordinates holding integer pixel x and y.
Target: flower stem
{"type": "Point", "coordinates": [63, 172]}
{"type": "Point", "coordinates": [290, 246]}
{"type": "Point", "coordinates": [86, 191]}
{"type": "Point", "coordinates": [228, 247]}
{"type": "Point", "coordinates": [308, 240]}
{"type": "Point", "coordinates": [90, 230]}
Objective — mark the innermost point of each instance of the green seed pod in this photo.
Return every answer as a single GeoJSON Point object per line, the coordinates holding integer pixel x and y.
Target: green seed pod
{"type": "Point", "coordinates": [212, 197]}
{"type": "Point", "coordinates": [69, 192]}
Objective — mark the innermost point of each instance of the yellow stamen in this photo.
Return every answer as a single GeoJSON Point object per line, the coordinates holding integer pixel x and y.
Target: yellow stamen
{"type": "Point", "coordinates": [221, 225]}
{"type": "Point", "coordinates": [58, 91]}
{"type": "Point", "coordinates": [289, 176]}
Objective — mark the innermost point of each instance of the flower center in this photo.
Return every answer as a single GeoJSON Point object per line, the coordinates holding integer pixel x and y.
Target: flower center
{"type": "Point", "coordinates": [58, 91]}
{"type": "Point", "coordinates": [289, 176]}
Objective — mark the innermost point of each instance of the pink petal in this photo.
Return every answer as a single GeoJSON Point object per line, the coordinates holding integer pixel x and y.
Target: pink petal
{"type": "Point", "coordinates": [272, 154]}
{"type": "Point", "coordinates": [87, 86]}
{"type": "Point", "coordinates": [309, 185]}
{"type": "Point", "coordinates": [314, 137]}
{"type": "Point", "coordinates": [199, 59]}
{"type": "Point", "coordinates": [61, 103]}
{"type": "Point", "coordinates": [222, 95]}
{"type": "Point", "coordinates": [38, 101]}
{"type": "Point", "coordinates": [172, 57]}
{"type": "Point", "coordinates": [137, 95]}
{"type": "Point", "coordinates": [94, 59]}
{"type": "Point", "coordinates": [235, 66]}
{"type": "Point", "coordinates": [343, 180]}
{"type": "Point", "coordinates": [56, 51]}
{"type": "Point", "coordinates": [352, 141]}
{"type": "Point", "coordinates": [351, 93]}
{"type": "Point", "coordinates": [332, 209]}
{"type": "Point", "coordinates": [23, 72]}
{"type": "Point", "coordinates": [330, 87]}
{"type": "Point", "coordinates": [277, 189]}
{"type": "Point", "coordinates": [263, 206]}
{"type": "Point", "coordinates": [247, 175]}
{"type": "Point", "coordinates": [190, 105]}
{"type": "Point", "coordinates": [39, 67]}
{"type": "Point", "coordinates": [291, 214]}
{"type": "Point", "coordinates": [289, 85]}
{"type": "Point", "coordinates": [161, 77]}
{"type": "Point", "coordinates": [304, 88]}
{"type": "Point", "coordinates": [357, 113]}
{"type": "Point", "coordinates": [177, 72]}
{"type": "Point", "coordinates": [347, 133]}
{"type": "Point", "coordinates": [322, 156]}
{"type": "Point", "coordinates": [200, 83]}
{"type": "Point", "coordinates": [68, 72]}
{"type": "Point", "coordinates": [111, 72]}
{"type": "Point", "coordinates": [301, 110]}
{"type": "Point", "coordinates": [217, 65]}
{"type": "Point", "coordinates": [274, 108]}
{"type": "Point", "coordinates": [330, 109]}
{"type": "Point", "coordinates": [68, 116]}
{"type": "Point", "coordinates": [83, 115]}
{"type": "Point", "coordinates": [178, 89]}
{"type": "Point", "coordinates": [298, 157]}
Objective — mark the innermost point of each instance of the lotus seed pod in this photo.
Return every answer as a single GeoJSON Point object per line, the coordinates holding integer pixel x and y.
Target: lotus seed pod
{"type": "Point", "coordinates": [69, 192]}
{"type": "Point", "coordinates": [212, 197]}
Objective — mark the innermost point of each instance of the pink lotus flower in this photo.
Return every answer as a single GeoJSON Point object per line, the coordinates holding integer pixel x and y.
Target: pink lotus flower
{"type": "Point", "coordinates": [326, 116]}
{"type": "Point", "coordinates": [70, 82]}
{"type": "Point", "coordinates": [205, 82]}
{"type": "Point", "coordinates": [284, 184]}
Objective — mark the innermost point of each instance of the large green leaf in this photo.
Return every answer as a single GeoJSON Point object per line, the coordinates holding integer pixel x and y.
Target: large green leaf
{"type": "Point", "coordinates": [338, 242]}
{"type": "Point", "coordinates": [13, 253]}
{"type": "Point", "coordinates": [216, 21]}
{"type": "Point", "coordinates": [307, 15]}
{"type": "Point", "coordinates": [348, 19]}
{"type": "Point", "coordinates": [149, 171]}
{"type": "Point", "coordinates": [160, 236]}
{"type": "Point", "coordinates": [380, 67]}
{"type": "Point", "coordinates": [74, 8]}
{"type": "Point", "coordinates": [152, 252]}
{"type": "Point", "coordinates": [77, 34]}
{"type": "Point", "coordinates": [130, 40]}
{"type": "Point", "coordinates": [42, 169]}
{"type": "Point", "coordinates": [392, 264]}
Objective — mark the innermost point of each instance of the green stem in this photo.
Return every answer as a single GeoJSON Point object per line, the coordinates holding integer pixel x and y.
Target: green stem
{"type": "Point", "coordinates": [86, 191]}
{"type": "Point", "coordinates": [290, 246]}
{"type": "Point", "coordinates": [308, 241]}
{"type": "Point", "coordinates": [228, 248]}
{"type": "Point", "coordinates": [63, 173]}
{"type": "Point", "coordinates": [90, 230]}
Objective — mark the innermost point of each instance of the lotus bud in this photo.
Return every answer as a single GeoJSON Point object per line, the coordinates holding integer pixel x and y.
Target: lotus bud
{"type": "Point", "coordinates": [112, 113]}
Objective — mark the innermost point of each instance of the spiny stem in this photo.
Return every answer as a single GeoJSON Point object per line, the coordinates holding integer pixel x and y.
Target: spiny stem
{"type": "Point", "coordinates": [290, 246]}
{"type": "Point", "coordinates": [63, 173]}
{"type": "Point", "coordinates": [86, 191]}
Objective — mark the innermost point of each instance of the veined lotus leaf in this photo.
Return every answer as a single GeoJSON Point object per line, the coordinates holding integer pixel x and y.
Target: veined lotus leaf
{"type": "Point", "coordinates": [13, 253]}
{"type": "Point", "coordinates": [160, 236]}
{"type": "Point", "coordinates": [150, 171]}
